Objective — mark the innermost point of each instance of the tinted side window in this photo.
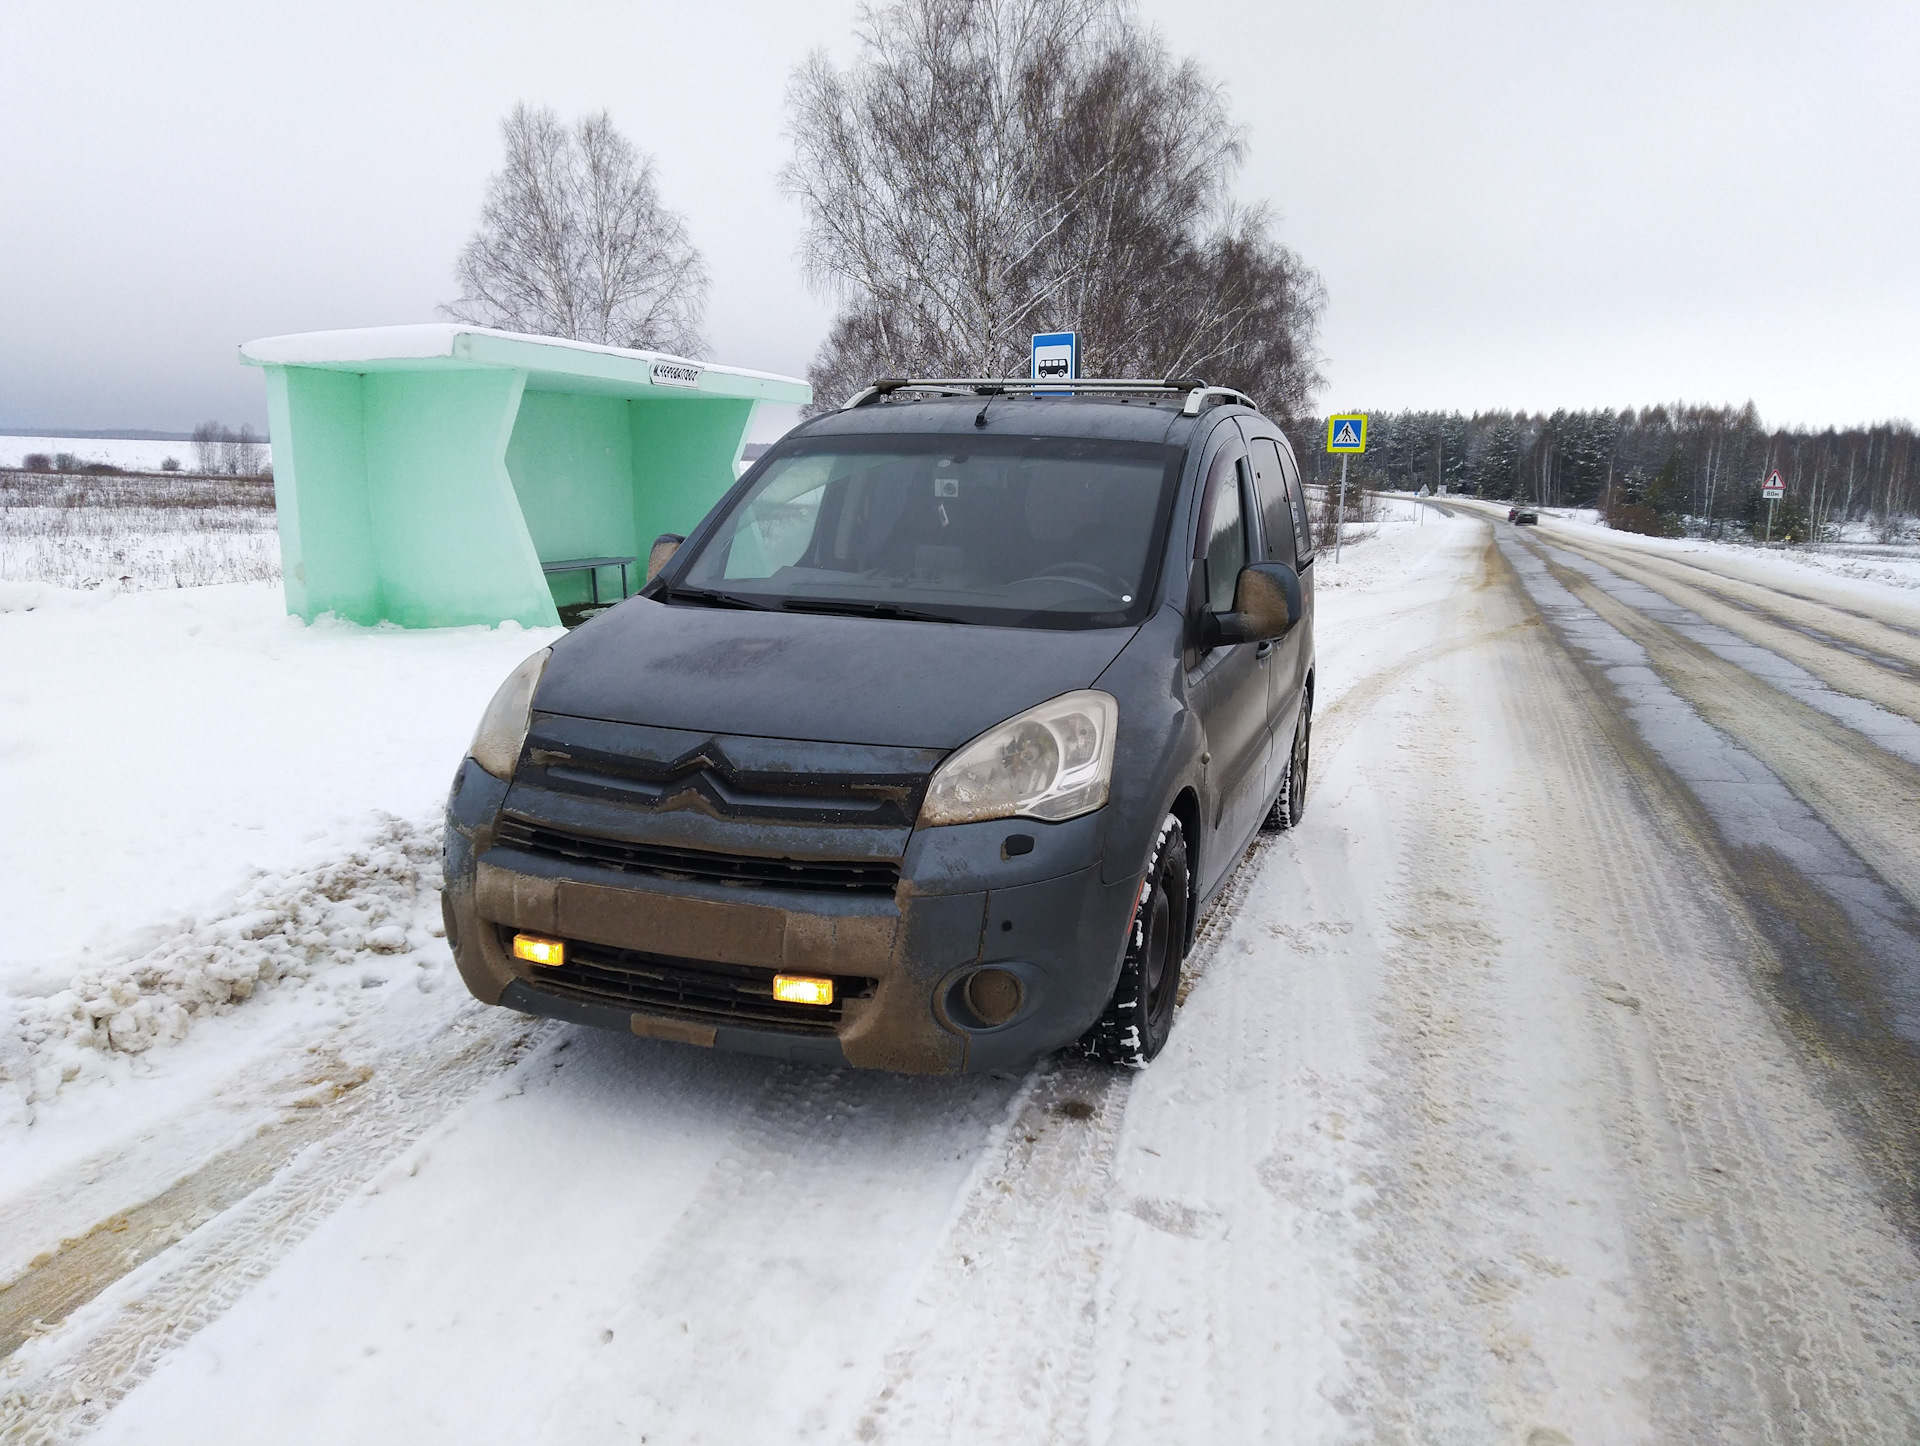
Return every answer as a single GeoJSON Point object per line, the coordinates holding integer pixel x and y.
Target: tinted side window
{"type": "Point", "coordinates": [1303, 521]}
{"type": "Point", "coordinates": [1227, 550]}
{"type": "Point", "coordinates": [1276, 509]}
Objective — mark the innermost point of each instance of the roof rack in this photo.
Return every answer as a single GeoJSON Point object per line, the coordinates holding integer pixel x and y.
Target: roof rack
{"type": "Point", "coordinates": [1198, 393]}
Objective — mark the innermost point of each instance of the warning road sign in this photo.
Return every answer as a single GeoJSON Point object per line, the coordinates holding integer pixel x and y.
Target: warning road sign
{"type": "Point", "coordinates": [1774, 488]}
{"type": "Point", "coordinates": [1347, 433]}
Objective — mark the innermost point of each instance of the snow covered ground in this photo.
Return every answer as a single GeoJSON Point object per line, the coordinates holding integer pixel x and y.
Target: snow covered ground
{"type": "Point", "coordinates": [132, 454]}
{"type": "Point", "coordinates": [1474, 1125]}
{"type": "Point", "coordinates": [1859, 559]}
{"type": "Point", "coordinates": [136, 533]}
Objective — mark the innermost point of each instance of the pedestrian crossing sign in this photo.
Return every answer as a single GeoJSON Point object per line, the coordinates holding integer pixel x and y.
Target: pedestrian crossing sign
{"type": "Point", "coordinates": [1347, 433]}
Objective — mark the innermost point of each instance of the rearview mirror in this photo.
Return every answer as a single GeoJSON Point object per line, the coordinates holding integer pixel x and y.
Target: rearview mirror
{"type": "Point", "coordinates": [1266, 605]}
{"type": "Point", "coordinates": [662, 551]}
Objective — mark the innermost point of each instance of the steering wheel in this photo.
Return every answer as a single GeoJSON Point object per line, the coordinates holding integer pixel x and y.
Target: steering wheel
{"type": "Point", "coordinates": [1087, 574]}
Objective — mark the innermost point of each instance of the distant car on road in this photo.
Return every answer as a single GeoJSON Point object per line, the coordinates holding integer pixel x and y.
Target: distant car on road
{"type": "Point", "coordinates": [924, 751]}
{"type": "Point", "coordinates": [1521, 516]}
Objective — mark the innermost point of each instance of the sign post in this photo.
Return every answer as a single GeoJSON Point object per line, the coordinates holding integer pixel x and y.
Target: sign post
{"type": "Point", "coordinates": [1773, 489]}
{"type": "Point", "coordinates": [1056, 356]}
{"type": "Point", "coordinates": [1346, 436]}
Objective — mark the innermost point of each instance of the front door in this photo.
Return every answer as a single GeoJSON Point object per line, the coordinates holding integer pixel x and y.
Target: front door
{"type": "Point", "coordinates": [1285, 669]}
{"type": "Point", "coordinates": [1230, 682]}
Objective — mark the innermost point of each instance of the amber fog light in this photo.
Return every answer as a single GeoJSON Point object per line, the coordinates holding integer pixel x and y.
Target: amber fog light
{"type": "Point", "coordinates": [537, 949]}
{"type": "Point", "coordinates": [993, 995]}
{"type": "Point", "coordinates": [802, 989]}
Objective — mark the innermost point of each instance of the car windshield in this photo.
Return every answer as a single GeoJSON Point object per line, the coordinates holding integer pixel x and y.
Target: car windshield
{"type": "Point", "coordinates": [1044, 532]}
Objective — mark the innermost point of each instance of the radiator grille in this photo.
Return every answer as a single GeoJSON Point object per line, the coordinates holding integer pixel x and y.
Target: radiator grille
{"type": "Point", "coordinates": [864, 876]}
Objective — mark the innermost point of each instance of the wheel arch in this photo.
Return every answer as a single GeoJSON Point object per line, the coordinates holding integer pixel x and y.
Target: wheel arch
{"type": "Point", "coordinates": [1186, 808]}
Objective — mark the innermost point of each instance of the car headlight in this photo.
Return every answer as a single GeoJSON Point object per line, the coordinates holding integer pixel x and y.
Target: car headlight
{"type": "Point", "coordinates": [503, 727]}
{"type": "Point", "coordinates": [1051, 762]}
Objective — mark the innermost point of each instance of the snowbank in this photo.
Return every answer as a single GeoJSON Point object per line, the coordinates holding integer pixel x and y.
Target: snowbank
{"type": "Point", "coordinates": [161, 751]}
{"type": "Point", "coordinates": [381, 899]}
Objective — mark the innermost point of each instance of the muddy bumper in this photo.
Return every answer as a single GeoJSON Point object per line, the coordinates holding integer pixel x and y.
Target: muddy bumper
{"type": "Point", "coordinates": [691, 959]}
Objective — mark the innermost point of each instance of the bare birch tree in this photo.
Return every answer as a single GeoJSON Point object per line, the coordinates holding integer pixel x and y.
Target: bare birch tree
{"type": "Point", "coordinates": [991, 168]}
{"type": "Point", "coordinates": [207, 438]}
{"type": "Point", "coordinates": [575, 242]}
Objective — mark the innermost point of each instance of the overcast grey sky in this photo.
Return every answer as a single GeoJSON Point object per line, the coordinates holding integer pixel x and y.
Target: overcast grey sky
{"type": "Point", "coordinates": [1513, 205]}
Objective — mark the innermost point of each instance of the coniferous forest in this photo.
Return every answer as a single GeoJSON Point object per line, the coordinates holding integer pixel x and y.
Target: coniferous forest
{"type": "Point", "coordinates": [1669, 471]}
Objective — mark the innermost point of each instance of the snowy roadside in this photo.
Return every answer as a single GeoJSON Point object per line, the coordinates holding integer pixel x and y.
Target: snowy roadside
{"type": "Point", "coordinates": [234, 838]}
{"type": "Point", "coordinates": [1881, 571]}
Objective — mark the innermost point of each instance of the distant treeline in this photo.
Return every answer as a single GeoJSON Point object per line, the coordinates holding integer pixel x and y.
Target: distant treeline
{"type": "Point", "coordinates": [1666, 470]}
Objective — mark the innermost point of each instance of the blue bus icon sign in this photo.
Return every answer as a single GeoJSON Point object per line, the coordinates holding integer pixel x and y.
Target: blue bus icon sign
{"type": "Point", "coordinates": [1055, 357]}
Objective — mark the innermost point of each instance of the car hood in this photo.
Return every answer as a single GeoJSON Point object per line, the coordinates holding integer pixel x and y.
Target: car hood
{"type": "Point", "coordinates": [814, 676]}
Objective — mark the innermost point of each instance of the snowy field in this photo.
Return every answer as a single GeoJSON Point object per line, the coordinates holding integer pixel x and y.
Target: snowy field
{"type": "Point", "coordinates": [136, 533]}
{"type": "Point", "coordinates": [1438, 1150]}
{"type": "Point", "coordinates": [131, 454]}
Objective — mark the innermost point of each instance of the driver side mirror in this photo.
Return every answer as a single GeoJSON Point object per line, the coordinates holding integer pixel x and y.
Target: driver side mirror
{"type": "Point", "coordinates": [1266, 605]}
{"type": "Point", "coordinates": [662, 551]}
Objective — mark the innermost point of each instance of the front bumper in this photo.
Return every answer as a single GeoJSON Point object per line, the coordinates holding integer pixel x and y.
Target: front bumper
{"type": "Point", "coordinates": [965, 901]}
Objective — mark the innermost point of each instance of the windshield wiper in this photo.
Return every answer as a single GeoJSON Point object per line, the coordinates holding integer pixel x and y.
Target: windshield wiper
{"type": "Point", "coordinates": [859, 608]}
{"type": "Point", "coordinates": [707, 597]}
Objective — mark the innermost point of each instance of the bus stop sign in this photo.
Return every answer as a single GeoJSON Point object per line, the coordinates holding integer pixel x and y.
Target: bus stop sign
{"type": "Point", "coordinates": [1055, 357]}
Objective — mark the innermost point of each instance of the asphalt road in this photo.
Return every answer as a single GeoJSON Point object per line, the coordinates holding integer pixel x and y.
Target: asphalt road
{"type": "Point", "coordinates": [1803, 790]}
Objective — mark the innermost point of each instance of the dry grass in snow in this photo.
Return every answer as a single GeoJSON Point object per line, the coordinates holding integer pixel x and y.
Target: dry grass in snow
{"type": "Point", "coordinates": [136, 532]}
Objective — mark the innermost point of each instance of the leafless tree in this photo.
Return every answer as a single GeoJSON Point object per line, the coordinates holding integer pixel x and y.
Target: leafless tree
{"type": "Point", "coordinates": [207, 456]}
{"type": "Point", "coordinates": [574, 242]}
{"type": "Point", "coordinates": [991, 168]}
{"type": "Point", "coordinates": [246, 452]}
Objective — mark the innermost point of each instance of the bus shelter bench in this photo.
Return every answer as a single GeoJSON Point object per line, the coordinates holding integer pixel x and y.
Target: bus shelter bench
{"type": "Point", "coordinates": [591, 567]}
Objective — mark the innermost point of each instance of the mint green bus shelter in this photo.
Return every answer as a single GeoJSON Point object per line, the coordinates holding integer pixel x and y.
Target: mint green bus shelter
{"type": "Point", "coordinates": [423, 474]}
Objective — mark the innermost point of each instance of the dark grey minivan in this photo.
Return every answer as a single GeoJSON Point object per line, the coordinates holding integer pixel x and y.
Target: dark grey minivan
{"type": "Point", "coordinates": [923, 752]}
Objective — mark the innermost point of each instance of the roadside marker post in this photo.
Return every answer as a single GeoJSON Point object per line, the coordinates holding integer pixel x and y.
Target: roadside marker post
{"type": "Point", "coordinates": [1056, 355]}
{"type": "Point", "coordinates": [1346, 435]}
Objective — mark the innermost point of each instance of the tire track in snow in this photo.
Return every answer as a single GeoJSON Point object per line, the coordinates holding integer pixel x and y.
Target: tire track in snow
{"type": "Point", "coordinates": [751, 1318]}
{"type": "Point", "coordinates": [1478, 1308]}
{"type": "Point", "coordinates": [1892, 637]}
{"type": "Point", "coordinates": [998, 1342]}
{"type": "Point", "coordinates": [58, 1386]}
{"type": "Point", "coordinates": [1847, 665]}
{"type": "Point", "coordinates": [1843, 937]}
{"type": "Point", "coordinates": [1003, 1337]}
{"type": "Point", "coordinates": [1778, 1300]}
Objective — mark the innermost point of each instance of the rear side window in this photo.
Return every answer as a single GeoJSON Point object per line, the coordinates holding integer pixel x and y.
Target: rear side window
{"type": "Point", "coordinates": [1276, 503]}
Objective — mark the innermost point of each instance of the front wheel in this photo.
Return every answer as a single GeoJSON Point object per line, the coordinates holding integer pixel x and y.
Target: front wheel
{"type": "Point", "coordinates": [1292, 802]}
{"type": "Point", "coordinates": [1139, 1018]}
